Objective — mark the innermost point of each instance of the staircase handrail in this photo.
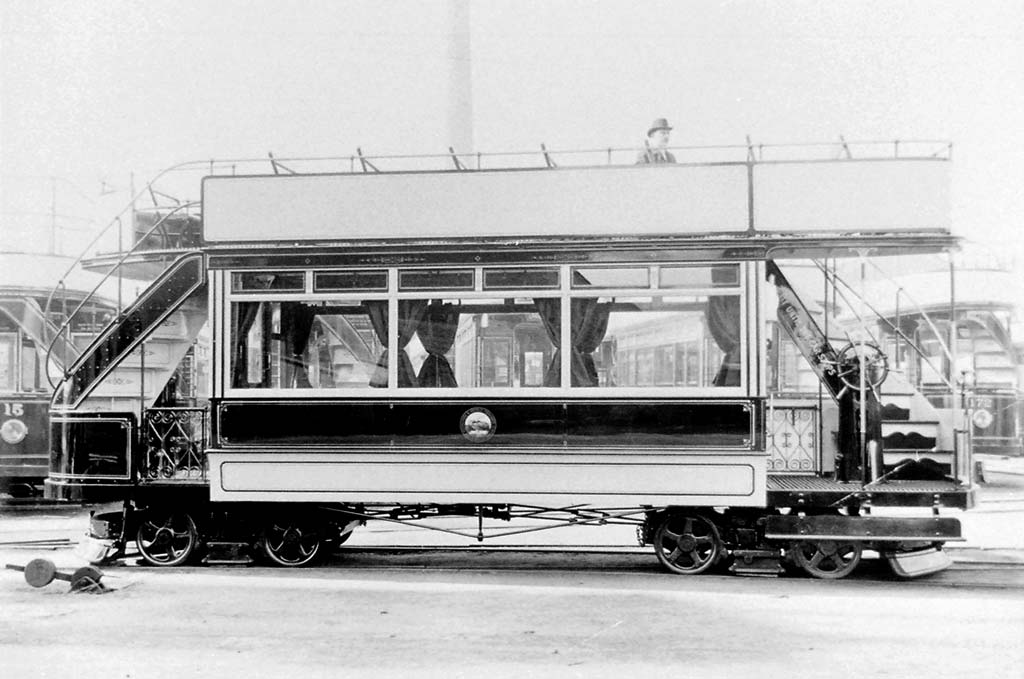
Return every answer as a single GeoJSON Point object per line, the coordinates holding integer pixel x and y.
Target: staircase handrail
{"type": "Point", "coordinates": [116, 220]}
{"type": "Point", "coordinates": [141, 299]}
{"type": "Point", "coordinates": [66, 325]}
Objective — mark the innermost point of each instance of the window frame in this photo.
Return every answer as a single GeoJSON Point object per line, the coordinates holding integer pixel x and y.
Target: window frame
{"type": "Point", "coordinates": [564, 292]}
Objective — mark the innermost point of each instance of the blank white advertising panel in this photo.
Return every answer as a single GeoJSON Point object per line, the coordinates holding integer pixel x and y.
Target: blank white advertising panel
{"type": "Point", "coordinates": [851, 196]}
{"type": "Point", "coordinates": [657, 199]}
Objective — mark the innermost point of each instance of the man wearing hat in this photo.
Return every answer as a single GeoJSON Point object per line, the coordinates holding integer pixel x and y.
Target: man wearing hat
{"type": "Point", "coordinates": [656, 144]}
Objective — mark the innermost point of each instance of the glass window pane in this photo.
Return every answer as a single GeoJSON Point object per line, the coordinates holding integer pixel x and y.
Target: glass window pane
{"type": "Point", "coordinates": [340, 281]}
{"type": "Point", "coordinates": [718, 276]}
{"type": "Point", "coordinates": [7, 361]}
{"type": "Point", "coordinates": [622, 277]}
{"type": "Point", "coordinates": [510, 343]}
{"type": "Point", "coordinates": [644, 342]}
{"type": "Point", "coordinates": [31, 379]}
{"type": "Point", "coordinates": [510, 279]}
{"type": "Point", "coordinates": [261, 281]}
{"type": "Point", "coordinates": [308, 345]}
{"type": "Point", "coordinates": [436, 279]}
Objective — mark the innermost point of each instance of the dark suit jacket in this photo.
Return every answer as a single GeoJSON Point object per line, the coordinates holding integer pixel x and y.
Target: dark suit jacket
{"type": "Point", "coordinates": [653, 157]}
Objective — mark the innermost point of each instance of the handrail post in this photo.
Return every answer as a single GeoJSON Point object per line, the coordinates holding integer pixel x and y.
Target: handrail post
{"type": "Point", "coordinates": [863, 390]}
{"type": "Point", "coordinates": [67, 339]}
{"type": "Point", "coordinates": [899, 324]}
{"type": "Point", "coordinates": [120, 243]}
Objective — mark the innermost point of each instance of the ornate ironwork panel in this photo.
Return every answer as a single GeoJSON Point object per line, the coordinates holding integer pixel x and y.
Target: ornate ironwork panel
{"type": "Point", "coordinates": [793, 440]}
{"type": "Point", "coordinates": [174, 445]}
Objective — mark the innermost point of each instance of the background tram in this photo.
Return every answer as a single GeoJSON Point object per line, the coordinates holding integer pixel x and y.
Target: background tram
{"type": "Point", "coordinates": [978, 347]}
{"type": "Point", "coordinates": [26, 332]}
{"type": "Point", "coordinates": [491, 344]}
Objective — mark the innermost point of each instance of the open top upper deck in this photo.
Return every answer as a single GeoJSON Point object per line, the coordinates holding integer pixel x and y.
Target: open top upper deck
{"type": "Point", "coordinates": [758, 208]}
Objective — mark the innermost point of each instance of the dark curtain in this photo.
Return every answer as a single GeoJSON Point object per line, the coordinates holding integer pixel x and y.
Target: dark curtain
{"type": "Point", "coordinates": [550, 311]}
{"type": "Point", "coordinates": [377, 310]}
{"type": "Point", "coordinates": [723, 316]}
{"type": "Point", "coordinates": [297, 320]}
{"type": "Point", "coordinates": [244, 316]}
{"type": "Point", "coordinates": [410, 312]}
{"type": "Point", "coordinates": [437, 334]}
{"type": "Point", "coordinates": [589, 324]}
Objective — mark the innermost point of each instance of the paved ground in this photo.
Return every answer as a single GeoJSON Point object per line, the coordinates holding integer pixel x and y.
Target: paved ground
{"type": "Point", "coordinates": [579, 602]}
{"type": "Point", "coordinates": [570, 617]}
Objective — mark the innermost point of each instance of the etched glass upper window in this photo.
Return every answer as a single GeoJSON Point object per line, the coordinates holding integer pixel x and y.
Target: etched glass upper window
{"type": "Point", "coordinates": [268, 281]}
{"type": "Point", "coordinates": [694, 277]}
{"type": "Point", "coordinates": [343, 281]}
{"type": "Point", "coordinates": [435, 279]}
{"type": "Point", "coordinates": [609, 277]}
{"type": "Point", "coordinates": [523, 279]}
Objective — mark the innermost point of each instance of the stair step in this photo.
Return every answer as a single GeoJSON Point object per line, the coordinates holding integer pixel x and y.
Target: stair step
{"type": "Point", "coordinates": [908, 442]}
{"type": "Point", "coordinates": [892, 457]}
{"type": "Point", "coordinates": [921, 427]}
{"type": "Point", "coordinates": [891, 412]}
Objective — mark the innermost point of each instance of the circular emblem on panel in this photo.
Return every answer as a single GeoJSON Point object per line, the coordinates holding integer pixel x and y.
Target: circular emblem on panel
{"type": "Point", "coordinates": [13, 431]}
{"type": "Point", "coordinates": [982, 418]}
{"type": "Point", "coordinates": [478, 425]}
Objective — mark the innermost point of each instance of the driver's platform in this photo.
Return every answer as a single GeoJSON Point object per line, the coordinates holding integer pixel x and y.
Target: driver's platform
{"type": "Point", "coordinates": [814, 491]}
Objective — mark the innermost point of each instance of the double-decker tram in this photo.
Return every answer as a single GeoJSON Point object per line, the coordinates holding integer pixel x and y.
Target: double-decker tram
{"type": "Point", "coordinates": [556, 346]}
{"type": "Point", "coordinates": [26, 332]}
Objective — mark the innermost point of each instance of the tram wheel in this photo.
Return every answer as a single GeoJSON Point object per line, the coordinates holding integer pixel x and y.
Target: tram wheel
{"type": "Point", "coordinates": [687, 544]}
{"type": "Point", "coordinates": [167, 538]}
{"type": "Point", "coordinates": [827, 559]}
{"type": "Point", "coordinates": [292, 542]}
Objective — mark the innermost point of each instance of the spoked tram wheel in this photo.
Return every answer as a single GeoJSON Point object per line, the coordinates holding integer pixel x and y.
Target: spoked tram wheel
{"type": "Point", "coordinates": [827, 559]}
{"type": "Point", "coordinates": [687, 543]}
{"type": "Point", "coordinates": [292, 541]}
{"type": "Point", "coordinates": [167, 538]}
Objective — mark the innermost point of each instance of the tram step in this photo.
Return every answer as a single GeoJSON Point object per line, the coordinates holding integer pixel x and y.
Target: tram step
{"type": "Point", "coordinates": [926, 428]}
{"type": "Point", "coordinates": [227, 554]}
{"type": "Point", "coordinates": [757, 562]}
{"type": "Point", "coordinates": [892, 412]}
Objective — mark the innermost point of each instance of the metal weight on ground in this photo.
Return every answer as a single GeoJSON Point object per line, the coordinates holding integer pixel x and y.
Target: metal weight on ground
{"type": "Point", "coordinates": [41, 572]}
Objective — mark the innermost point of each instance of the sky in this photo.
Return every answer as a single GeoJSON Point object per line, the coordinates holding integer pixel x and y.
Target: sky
{"type": "Point", "coordinates": [96, 97]}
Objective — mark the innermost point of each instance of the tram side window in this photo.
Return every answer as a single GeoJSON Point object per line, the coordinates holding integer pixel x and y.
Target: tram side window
{"type": "Point", "coordinates": [932, 364]}
{"type": "Point", "coordinates": [31, 373]}
{"type": "Point", "coordinates": [480, 343]}
{"type": "Point", "coordinates": [692, 341]}
{"type": "Point", "coordinates": [8, 342]}
{"type": "Point", "coordinates": [308, 345]}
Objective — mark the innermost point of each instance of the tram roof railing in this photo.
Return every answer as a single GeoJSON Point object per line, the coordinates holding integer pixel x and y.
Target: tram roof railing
{"type": "Point", "coordinates": [180, 183]}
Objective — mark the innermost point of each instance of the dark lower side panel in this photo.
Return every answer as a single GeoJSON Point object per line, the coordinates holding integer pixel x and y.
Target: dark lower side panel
{"type": "Point", "coordinates": [518, 423]}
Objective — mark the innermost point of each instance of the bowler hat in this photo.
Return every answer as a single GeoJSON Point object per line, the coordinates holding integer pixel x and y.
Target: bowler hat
{"type": "Point", "coordinates": [659, 124]}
